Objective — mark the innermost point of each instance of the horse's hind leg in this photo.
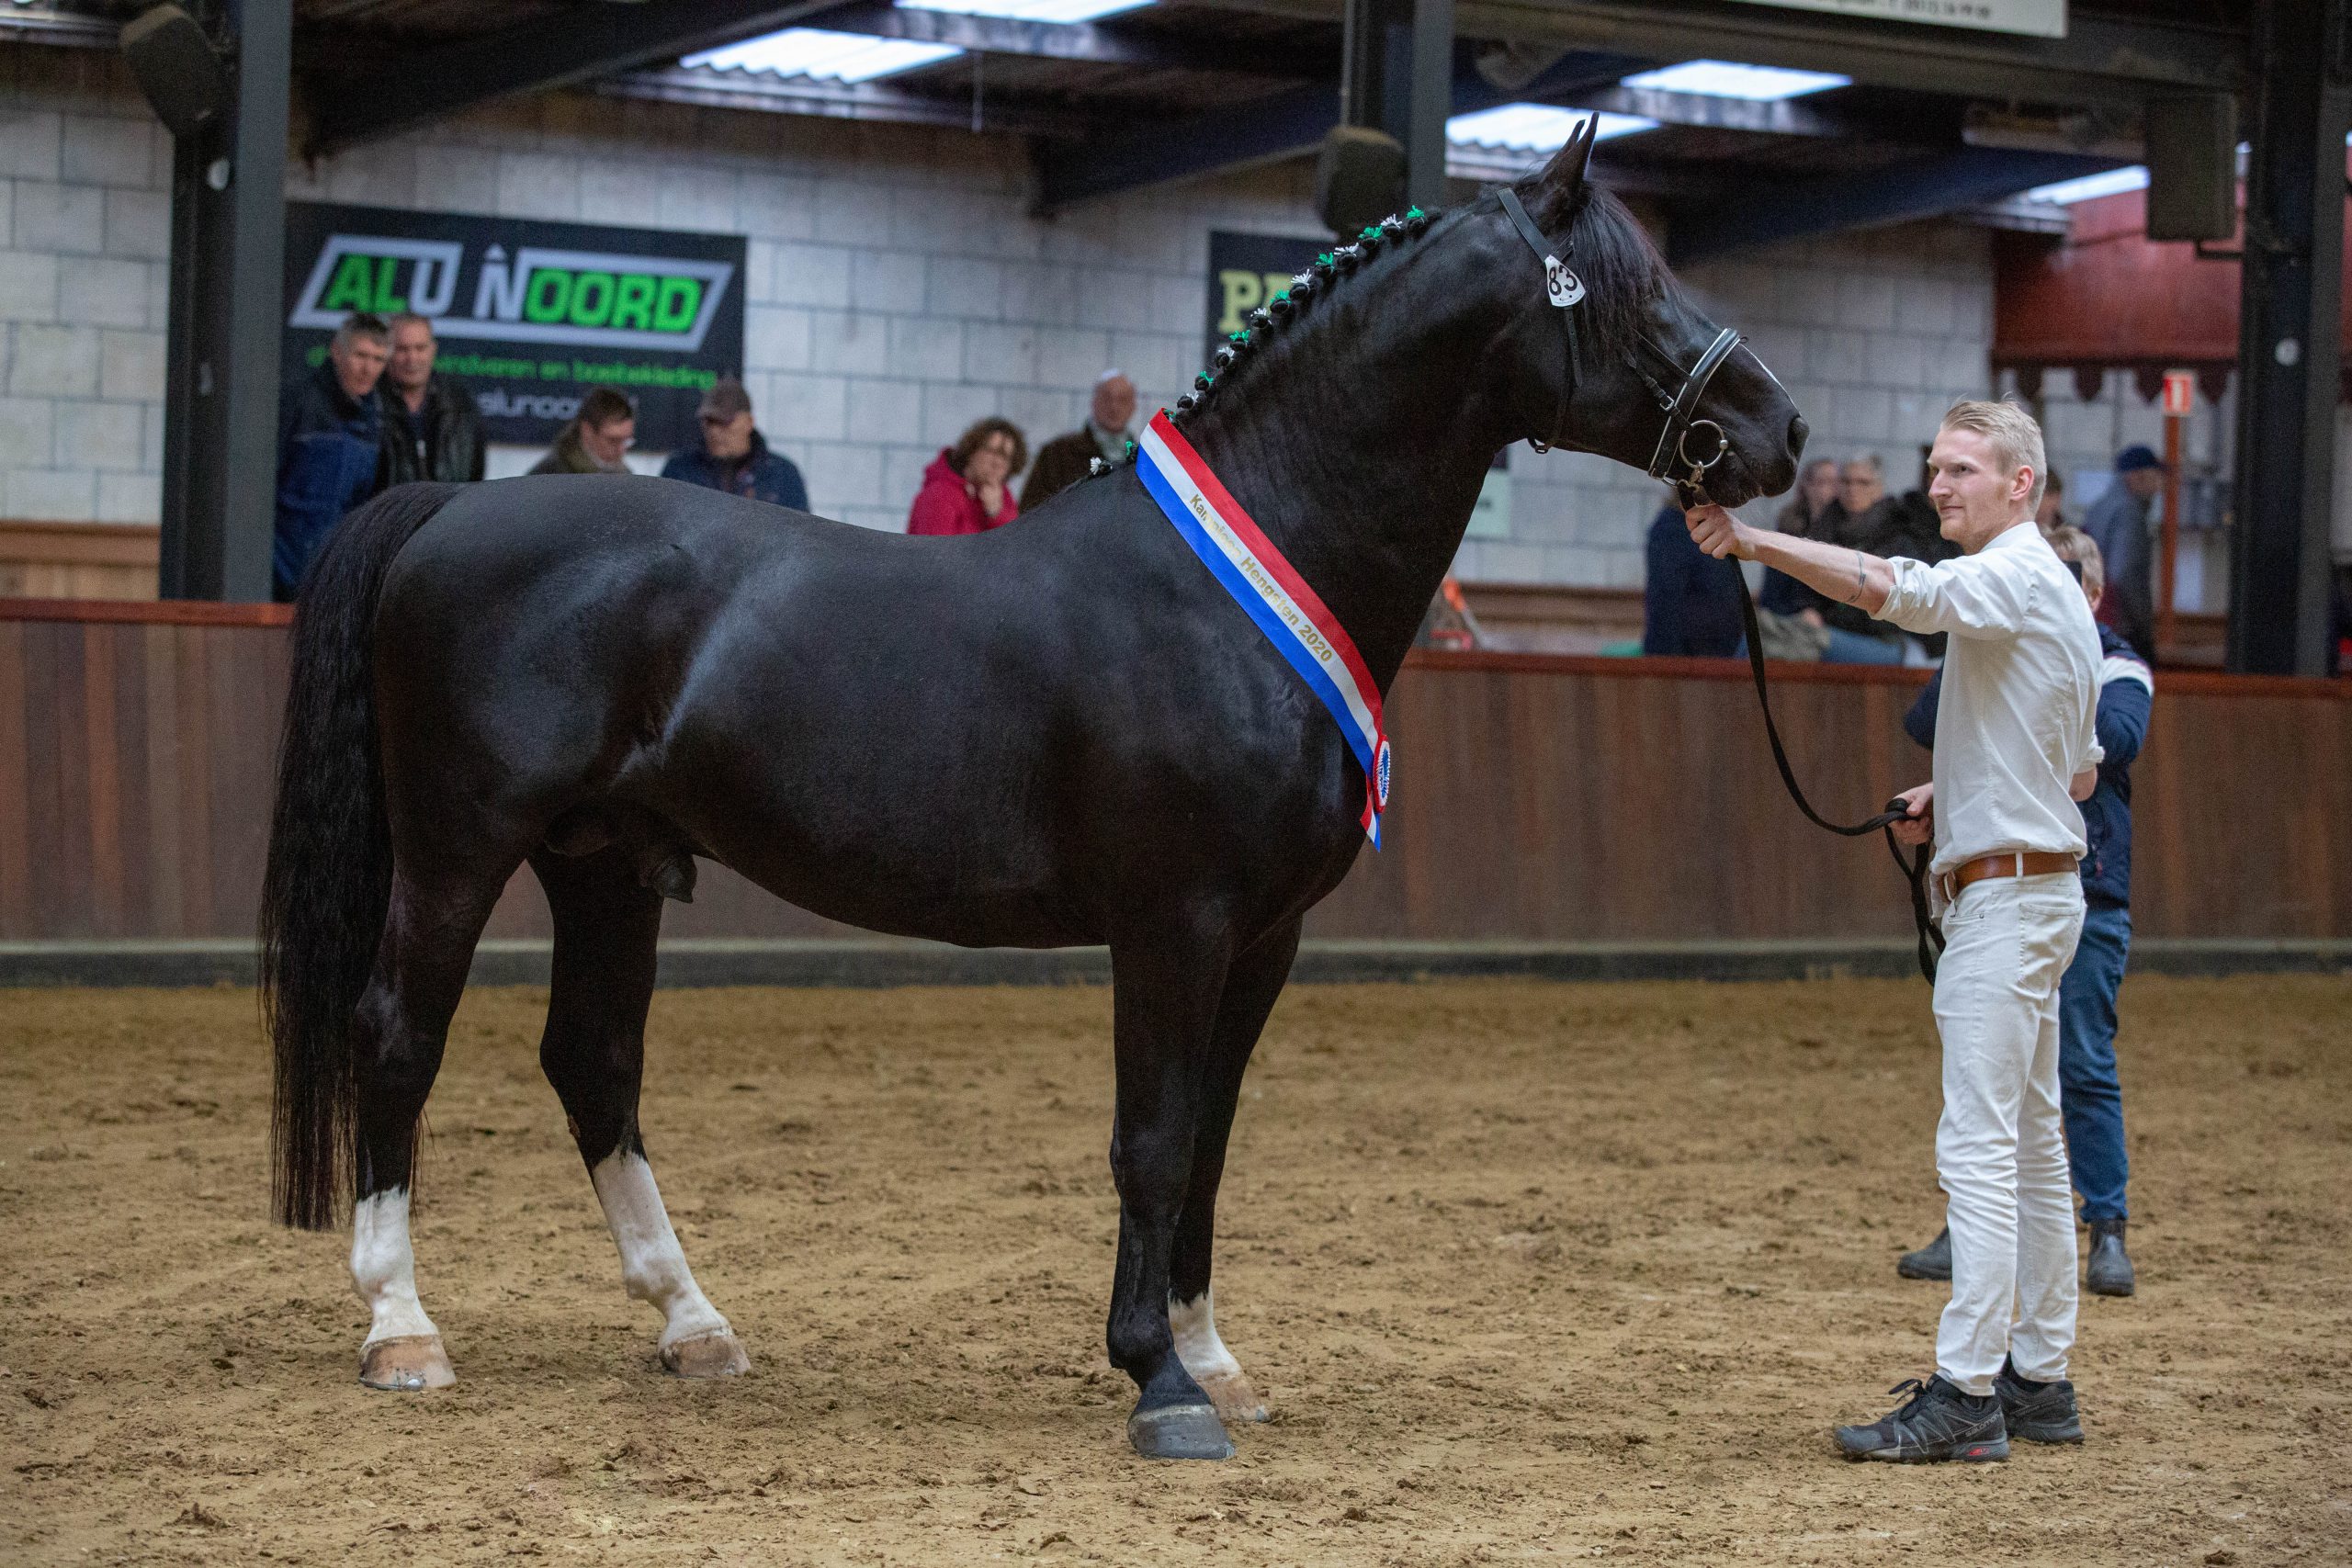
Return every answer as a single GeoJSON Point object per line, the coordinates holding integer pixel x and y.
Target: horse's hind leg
{"type": "Point", "coordinates": [593, 1053]}
{"type": "Point", "coordinates": [1254, 981]}
{"type": "Point", "coordinates": [401, 1025]}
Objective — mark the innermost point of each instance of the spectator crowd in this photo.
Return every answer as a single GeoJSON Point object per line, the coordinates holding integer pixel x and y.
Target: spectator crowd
{"type": "Point", "coordinates": [376, 413]}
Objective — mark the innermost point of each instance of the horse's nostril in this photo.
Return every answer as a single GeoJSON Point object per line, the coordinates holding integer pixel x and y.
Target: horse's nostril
{"type": "Point", "coordinates": [1797, 433]}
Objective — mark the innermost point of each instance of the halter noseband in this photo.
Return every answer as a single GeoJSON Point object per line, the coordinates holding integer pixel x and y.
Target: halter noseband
{"type": "Point", "coordinates": [1672, 458]}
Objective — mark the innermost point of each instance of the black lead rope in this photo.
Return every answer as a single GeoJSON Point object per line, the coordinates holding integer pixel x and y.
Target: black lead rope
{"type": "Point", "coordinates": [1913, 868]}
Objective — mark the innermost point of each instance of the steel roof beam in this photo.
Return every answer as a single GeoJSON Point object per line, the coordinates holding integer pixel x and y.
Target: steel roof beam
{"type": "Point", "coordinates": [592, 42]}
{"type": "Point", "coordinates": [1079, 42]}
{"type": "Point", "coordinates": [1283, 125]}
{"type": "Point", "coordinates": [1767, 213]}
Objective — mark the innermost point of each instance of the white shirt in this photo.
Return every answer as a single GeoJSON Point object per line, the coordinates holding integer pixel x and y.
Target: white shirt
{"type": "Point", "coordinates": [2018, 719]}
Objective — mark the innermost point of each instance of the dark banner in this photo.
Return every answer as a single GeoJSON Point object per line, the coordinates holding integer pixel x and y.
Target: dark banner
{"type": "Point", "coordinates": [528, 314]}
{"type": "Point", "coordinates": [1246, 270]}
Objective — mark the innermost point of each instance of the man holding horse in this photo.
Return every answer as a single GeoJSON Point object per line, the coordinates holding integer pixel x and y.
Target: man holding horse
{"type": "Point", "coordinates": [2016, 749]}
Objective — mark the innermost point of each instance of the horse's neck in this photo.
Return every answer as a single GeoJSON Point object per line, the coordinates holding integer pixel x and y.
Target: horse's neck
{"type": "Point", "coordinates": [1360, 453]}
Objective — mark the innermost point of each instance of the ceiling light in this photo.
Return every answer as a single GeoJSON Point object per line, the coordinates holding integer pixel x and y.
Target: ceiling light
{"type": "Point", "coordinates": [2112, 182]}
{"type": "Point", "coordinates": [1030, 10]}
{"type": "Point", "coordinates": [1535, 127]}
{"type": "Point", "coordinates": [813, 52]}
{"type": "Point", "coordinates": [1725, 79]}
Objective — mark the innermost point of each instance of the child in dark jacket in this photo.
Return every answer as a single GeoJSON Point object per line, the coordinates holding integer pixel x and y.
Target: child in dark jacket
{"type": "Point", "coordinates": [2090, 1096]}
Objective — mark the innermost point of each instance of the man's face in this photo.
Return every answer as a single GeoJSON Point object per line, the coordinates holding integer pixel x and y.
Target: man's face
{"type": "Point", "coordinates": [727, 438]}
{"type": "Point", "coordinates": [1976, 497]}
{"type": "Point", "coordinates": [412, 351]}
{"type": "Point", "coordinates": [1114, 403]}
{"type": "Point", "coordinates": [609, 441]}
{"type": "Point", "coordinates": [359, 364]}
{"type": "Point", "coordinates": [2144, 483]}
{"type": "Point", "coordinates": [1859, 487]}
{"type": "Point", "coordinates": [1820, 485]}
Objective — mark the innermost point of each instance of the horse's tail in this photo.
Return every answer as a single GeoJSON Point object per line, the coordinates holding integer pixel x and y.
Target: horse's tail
{"type": "Point", "coordinates": [330, 876]}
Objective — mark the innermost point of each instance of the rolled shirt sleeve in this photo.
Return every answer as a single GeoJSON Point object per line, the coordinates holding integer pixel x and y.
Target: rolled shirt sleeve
{"type": "Point", "coordinates": [1972, 596]}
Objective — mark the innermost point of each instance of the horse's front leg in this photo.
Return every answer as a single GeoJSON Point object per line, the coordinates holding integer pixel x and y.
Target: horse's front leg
{"type": "Point", "coordinates": [1167, 988]}
{"type": "Point", "coordinates": [1255, 979]}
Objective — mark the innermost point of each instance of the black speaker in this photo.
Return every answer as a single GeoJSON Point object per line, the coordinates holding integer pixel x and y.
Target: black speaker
{"type": "Point", "coordinates": [2192, 167]}
{"type": "Point", "coordinates": [1359, 178]}
{"type": "Point", "coordinates": [177, 68]}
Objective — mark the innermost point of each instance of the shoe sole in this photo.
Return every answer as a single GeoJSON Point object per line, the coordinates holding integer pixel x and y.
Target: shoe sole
{"type": "Point", "coordinates": [1973, 1453]}
{"type": "Point", "coordinates": [1908, 1272]}
{"type": "Point", "coordinates": [2070, 1433]}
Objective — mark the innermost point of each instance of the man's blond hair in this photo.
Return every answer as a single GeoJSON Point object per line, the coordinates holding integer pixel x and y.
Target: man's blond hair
{"type": "Point", "coordinates": [2072, 544]}
{"type": "Point", "coordinates": [2015, 436]}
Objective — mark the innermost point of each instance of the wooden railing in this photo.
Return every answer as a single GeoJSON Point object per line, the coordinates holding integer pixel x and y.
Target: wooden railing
{"type": "Point", "coordinates": [1537, 798]}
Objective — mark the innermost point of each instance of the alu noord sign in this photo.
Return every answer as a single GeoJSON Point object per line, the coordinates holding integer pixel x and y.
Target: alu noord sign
{"type": "Point", "coordinates": [2035, 18]}
{"type": "Point", "coordinates": [530, 314]}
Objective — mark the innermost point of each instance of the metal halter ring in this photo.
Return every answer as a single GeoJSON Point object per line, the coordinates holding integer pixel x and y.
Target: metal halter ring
{"type": "Point", "coordinates": [1682, 447]}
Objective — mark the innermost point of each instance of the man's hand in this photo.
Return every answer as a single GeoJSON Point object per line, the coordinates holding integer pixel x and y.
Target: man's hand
{"type": "Point", "coordinates": [1921, 802]}
{"type": "Point", "coordinates": [1720, 533]}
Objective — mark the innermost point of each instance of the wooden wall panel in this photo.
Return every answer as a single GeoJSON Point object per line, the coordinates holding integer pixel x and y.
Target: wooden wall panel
{"type": "Point", "coordinates": [1536, 798]}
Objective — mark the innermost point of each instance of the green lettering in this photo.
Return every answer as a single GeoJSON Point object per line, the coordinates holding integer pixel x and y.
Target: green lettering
{"type": "Point", "coordinates": [553, 370]}
{"type": "Point", "coordinates": [677, 304]}
{"type": "Point", "coordinates": [1243, 292]}
{"type": "Point", "coordinates": [353, 286]}
{"type": "Point", "coordinates": [633, 302]}
{"type": "Point", "coordinates": [387, 302]}
{"type": "Point", "coordinates": [592, 299]}
{"type": "Point", "coordinates": [550, 296]}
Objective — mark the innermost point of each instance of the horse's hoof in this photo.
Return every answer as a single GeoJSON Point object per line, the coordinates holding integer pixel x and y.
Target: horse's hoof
{"type": "Point", "coordinates": [1234, 1398]}
{"type": "Point", "coordinates": [408, 1363]}
{"type": "Point", "coordinates": [719, 1355]}
{"type": "Point", "coordinates": [1179, 1431]}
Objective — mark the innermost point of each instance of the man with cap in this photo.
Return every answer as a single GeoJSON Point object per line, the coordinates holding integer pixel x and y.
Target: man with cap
{"type": "Point", "coordinates": [2117, 524]}
{"type": "Point", "coordinates": [734, 456]}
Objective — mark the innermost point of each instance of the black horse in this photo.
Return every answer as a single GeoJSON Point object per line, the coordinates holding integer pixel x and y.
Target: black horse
{"type": "Point", "coordinates": [1062, 732]}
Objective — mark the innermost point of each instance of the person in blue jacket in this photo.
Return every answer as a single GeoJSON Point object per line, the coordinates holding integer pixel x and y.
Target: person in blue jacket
{"type": "Point", "coordinates": [1689, 600]}
{"type": "Point", "coordinates": [2090, 1095]}
{"type": "Point", "coordinates": [734, 456]}
{"type": "Point", "coordinates": [330, 425]}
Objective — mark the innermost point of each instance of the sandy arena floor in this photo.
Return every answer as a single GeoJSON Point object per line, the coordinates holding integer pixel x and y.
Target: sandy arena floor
{"type": "Point", "coordinates": [1529, 1272]}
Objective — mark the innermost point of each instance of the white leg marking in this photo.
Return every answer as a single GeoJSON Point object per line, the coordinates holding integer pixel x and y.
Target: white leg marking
{"type": "Point", "coordinates": [1193, 1326]}
{"type": "Point", "coordinates": [653, 1267]}
{"type": "Point", "coordinates": [383, 1269]}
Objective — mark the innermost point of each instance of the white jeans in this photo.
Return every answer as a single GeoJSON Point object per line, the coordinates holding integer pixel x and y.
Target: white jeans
{"type": "Point", "coordinates": [2001, 1147]}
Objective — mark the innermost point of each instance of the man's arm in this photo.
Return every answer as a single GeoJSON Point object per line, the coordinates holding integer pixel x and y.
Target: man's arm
{"type": "Point", "coordinates": [1835, 571]}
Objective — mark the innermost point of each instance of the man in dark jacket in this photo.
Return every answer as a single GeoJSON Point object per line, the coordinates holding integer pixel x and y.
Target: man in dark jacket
{"type": "Point", "coordinates": [432, 430]}
{"type": "Point", "coordinates": [330, 425]}
{"type": "Point", "coordinates": [2090, 1096]}
{"type": "Point", "coordinates": [2117, 524]}
{"type": "Point", "coordinates": [1690, 603]}
{"type": "Point", "coordinates": [1064, 460]}
{"type": "Point", "coordinates": [734, 456]}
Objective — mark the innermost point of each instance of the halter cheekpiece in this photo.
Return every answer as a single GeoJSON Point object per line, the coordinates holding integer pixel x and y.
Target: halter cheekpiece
{"type": "Point", "coordinates": [1672, 461]}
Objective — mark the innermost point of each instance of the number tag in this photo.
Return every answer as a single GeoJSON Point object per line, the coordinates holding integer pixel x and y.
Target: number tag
{"type": "Point", "coordinates": [1564, 287]}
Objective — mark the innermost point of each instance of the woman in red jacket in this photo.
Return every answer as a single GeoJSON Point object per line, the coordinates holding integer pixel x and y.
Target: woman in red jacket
{"type": "Point", "coordinates": [966, 488]}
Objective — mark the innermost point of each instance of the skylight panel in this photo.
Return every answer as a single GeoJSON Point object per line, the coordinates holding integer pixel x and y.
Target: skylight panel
{"type": "Point", "coordinates": [814, 51]}
{"type": "Point", "coordinates": [2112, 182]}
{"type": "Point", "coordinates": [1030, 10]}
{"type": "Point", "coordinates": [1535, 127]}
{"type": "Point", "coordinates": [1727, 79]}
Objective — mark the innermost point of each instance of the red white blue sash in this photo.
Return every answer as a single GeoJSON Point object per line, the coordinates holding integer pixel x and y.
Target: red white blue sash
{"type": "Point", "coordinates": [1303, 630]}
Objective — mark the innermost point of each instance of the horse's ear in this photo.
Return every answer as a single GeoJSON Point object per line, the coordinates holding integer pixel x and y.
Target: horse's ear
{"type": "Point", "coordinates": [1560, 181]}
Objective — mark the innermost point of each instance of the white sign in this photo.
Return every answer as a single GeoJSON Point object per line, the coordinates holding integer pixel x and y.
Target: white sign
{"type": "Point", "coordinates": [2038, 18]}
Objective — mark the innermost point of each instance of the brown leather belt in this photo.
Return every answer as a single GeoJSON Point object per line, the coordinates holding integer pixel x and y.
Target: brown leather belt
{"type": "Point", "coordinates": [2015, 862]}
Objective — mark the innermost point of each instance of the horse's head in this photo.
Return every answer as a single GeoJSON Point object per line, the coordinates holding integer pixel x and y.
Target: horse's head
{"type": "Point", "coordinates": [1612, 357]}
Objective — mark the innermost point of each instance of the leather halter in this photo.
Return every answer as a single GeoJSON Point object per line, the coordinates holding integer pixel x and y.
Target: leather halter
{"type": "Point", "coordinates": [1672, 460]}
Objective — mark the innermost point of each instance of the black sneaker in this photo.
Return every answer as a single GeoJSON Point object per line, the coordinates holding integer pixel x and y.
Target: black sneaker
{"type": "Point", "coordinates": [2038, 1412]}
{"type": "Point", "coordinates": [2108, 1273]}
{"type": "Point", "coordinates": [1937, 1422]}
{"type": "Point", "coordinates": [1932, 1261]}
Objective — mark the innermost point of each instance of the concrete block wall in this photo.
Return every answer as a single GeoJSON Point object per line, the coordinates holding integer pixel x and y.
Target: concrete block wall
{"type": "Point", "coordinates": [1874, 334]}
{"type": "Point", "coordinates": [84, 237]}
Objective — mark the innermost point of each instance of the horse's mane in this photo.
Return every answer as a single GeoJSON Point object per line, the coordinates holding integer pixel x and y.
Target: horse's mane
{"type": "Point", "coordinates": [1623, 272]}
